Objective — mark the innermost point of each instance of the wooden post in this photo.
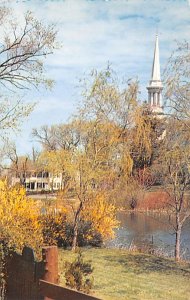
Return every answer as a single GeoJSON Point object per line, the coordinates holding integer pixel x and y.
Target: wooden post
{"type": "Point", "coordinates": [50, 258]}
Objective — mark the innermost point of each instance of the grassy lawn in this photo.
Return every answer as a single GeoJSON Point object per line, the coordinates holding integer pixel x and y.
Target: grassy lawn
{"type": "Point", "coordinates": [119, 274]}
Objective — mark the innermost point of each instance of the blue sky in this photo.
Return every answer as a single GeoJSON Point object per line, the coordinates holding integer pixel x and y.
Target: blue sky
{"type": "Point", "coordinates": [94, 32]}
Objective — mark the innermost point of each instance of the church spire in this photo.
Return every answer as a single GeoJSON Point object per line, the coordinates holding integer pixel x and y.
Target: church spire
{"type": "Point", "coordinates": [155, 85]}
{"type": "Point", "coordinates": [156, 63]}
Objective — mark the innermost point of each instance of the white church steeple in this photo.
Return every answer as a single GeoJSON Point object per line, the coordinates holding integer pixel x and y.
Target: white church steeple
{"type": "Point", "coordinates": [155, 85]}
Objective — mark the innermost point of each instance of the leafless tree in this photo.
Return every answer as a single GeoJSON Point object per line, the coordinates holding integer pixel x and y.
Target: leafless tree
{"type": "Point", "coordinates": [17, 165]}
{"type": "Point", "coordinates": [63, 136]}
{"type": "Point", "coordinates": [24, 46]}
{"type": "Point", "coordinates": [177, 81]}
{"type": "Point", "coordinates": [173, 164]}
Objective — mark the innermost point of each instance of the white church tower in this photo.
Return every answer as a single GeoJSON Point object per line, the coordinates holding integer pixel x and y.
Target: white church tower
{"type": "Point", "coordinates": [155, 85]}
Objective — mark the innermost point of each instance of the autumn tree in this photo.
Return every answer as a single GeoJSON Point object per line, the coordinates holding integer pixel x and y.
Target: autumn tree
{"type": "Point", "coordinates": [85, 165]}
{"type": "Point", "coordinates": [57, 163]}
{"type": "Point", "coordinates": [58, 143]}
{"type": "Point", "coordinates": [106, 118]}
{"type": "Point", "coordinates": [107, 98]}
{"type": "Point", "coordinates": [100, 144]}
{"type": "Point", "coordinates": [145, 137]}
{"type": "Point", "coordinates": [92, 167]}
{"type": "Point", "coordinates": [136, 132]}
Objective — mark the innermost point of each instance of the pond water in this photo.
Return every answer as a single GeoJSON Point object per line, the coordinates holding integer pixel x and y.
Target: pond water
{"type": "Point", "coordinates": [150, 230]}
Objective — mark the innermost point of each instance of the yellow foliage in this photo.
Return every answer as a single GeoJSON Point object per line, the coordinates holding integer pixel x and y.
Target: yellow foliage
{"type": "Point", "coordinates": [102, 215]}
{"type": "Point", "coordinates": [53, 221]}
{"type": "Point", "coordinates": [141, 133]}
{"type": "Point", "coordinates": [19, 225]}
{"type": "Point", "coordinates": [53, 228]}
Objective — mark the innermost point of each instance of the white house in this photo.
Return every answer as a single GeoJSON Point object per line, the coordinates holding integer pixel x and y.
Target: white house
{"type": "Point", "coordinates": [38, 181]}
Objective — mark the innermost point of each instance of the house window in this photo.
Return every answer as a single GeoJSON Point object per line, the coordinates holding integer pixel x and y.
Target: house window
{"type": "Point", "coordinates": [39, 185]}
{"type": "Point", "coordinates": [45, 174]}
{"type": "Point", "coordinates": [27, 185]}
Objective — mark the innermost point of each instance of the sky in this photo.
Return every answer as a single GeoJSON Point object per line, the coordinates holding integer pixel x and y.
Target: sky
{"type": "Point", "coordinates": [93, 32]}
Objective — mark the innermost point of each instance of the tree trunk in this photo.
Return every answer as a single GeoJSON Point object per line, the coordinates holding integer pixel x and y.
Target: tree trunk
{"type": "Point", "coordinates": [75, 228]}
{"type": "Point", "coordinates": [75, 236]}
{"type": "Point", "coordinates": [177, 240]}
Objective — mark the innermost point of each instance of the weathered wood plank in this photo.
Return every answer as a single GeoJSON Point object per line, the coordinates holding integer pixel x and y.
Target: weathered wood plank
{"type": "Point", "coordinates": [57, 292]}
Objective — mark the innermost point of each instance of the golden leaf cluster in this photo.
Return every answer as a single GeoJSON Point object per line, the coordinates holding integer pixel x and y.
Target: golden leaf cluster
{"type": "Point", "coordinates": [102, 215]}
{"type": "Point", "coordinates": [19, 224]}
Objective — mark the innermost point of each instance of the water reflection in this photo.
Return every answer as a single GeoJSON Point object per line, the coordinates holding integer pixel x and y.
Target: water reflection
{"type": "Point", "coordinates": [142, 229]}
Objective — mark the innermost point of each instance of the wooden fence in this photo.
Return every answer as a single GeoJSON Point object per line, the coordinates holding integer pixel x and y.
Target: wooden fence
{"type": "Point", "coordinates": [53, 291]}
{"type": "Point", "coordinates": [28, 279]}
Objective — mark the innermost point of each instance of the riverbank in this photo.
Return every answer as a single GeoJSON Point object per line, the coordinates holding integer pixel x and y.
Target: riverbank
{"type": "Point", "coordinates": [120, 274]}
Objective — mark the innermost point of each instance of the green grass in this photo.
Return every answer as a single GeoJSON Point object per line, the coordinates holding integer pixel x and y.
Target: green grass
{"type": "Point", "coordinates": [119, 274]}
